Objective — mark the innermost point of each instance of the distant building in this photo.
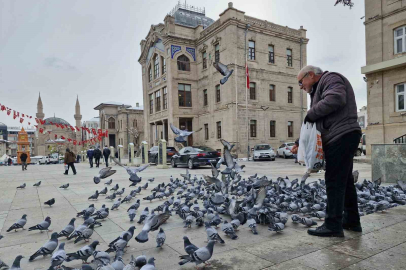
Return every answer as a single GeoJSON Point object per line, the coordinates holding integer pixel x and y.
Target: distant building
{"type": "Point", "coordinates": [181, 86]}
{"type": "Point", "coordinates": [93, 123]}
{"type": "Point", "coordinates": [363, 118]}
{"type": "Point", "coordinates": [385, 70]}
{"type": "Point", "coordinates": [13, 139]}
{"type": "Point", "coordinates": [125, 124]}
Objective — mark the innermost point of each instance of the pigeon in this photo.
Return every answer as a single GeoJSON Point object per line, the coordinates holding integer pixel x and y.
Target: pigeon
{"type": "Point", "coordinates": [103, 214]}
{"type": "Point", "coordinates": [50, 202]}
{"type": "Point", "coordinates": [103, 191]}
{"type": "Point", "coordinates": [16, 263]}
{"type": "Point", "coordinates": [132, 171]}
{"type": "Point", "coordinates": [37, 184]}
{"type": "Point", "coordinates": [228, 229]}
{"type": "Point", "coordinates": [65, 186]}
{"type": "Point", "coordinates": [140, 261]}
{"type": "Point", "coordinates": [117, 246]}
{"type": "Point", "coordinates": [308, 222]}
{"type": "Point", "coordinates": [90, 210]}
{"type": "Point", "coordinates": [182, 134]}
{"type": "Point", "coordinates": [111, 197]}
{"type": "Point", "coordinates": [151, 179]}
{"type": "Point", "coordinates": [118, 263]}
{"type": "Point", "coordinates": [235, 223]}
{"type": "Point", "coordinates": [101, 257]}
{"type": "Point", "coordinates": [115, 188]}
{"type": "Point", "coordinates": [59, 256]}
{"type": "Point", "coordinates": [119, 193]}
{"type": "Point", "coordinates": [116, 204]}
{"type": "Point", "coordinates": [103, 173]}
{"type": "Point", "coordinates": [145, 186]}
{"type": "Point", "coordinates": [252, 224]}
{"type": "Point", "coordinates": [85, 234]}
{"type": "Point", "coordinates": [276, 227]}
{"type": "Point", "coordinates": [150, 265]}
{"type": "Point", "coordinates": [127, 199]}
{"type": "Point", "coordinates": [152, 223]}
{"type": "Point", "coordinates": [135, 206]}
{"type": "Point", "coordinates": [126, 236]}
{"type": "Point", "coordinates": [109, 182]}
{"type": "Point", "coordinates": [345, 3]}
{"type": "Point", "coordinates": [189, 247]}
{"type": "Point", "coordinates": [160, 238]}
{"type": "Point", "coordinates": [131, 213]}
{"type": "Point", "coordinates": [131, 264]}
{"type": "Point", "coordinates": [22, 186]}
{"type": "Point", "coordinates": [3, 266]}
{"type": "Point", "coordinates": [199, 256]}
{"type": "Point", "coordinates": [143, 215]}
{"type": "Point", "coordinates": [47, 248]}
{"type": "Point", "coordinates": [212, 234]}
{"type": "Point", "coordinates": [79, 229]}
{"type": "Point", "coordinates": [94, 196]}
{"type": "Point", "coordinates": [82, 254]}
{"type": "Point", "coordinates": [19, 224]}
{"type": "Point", "coordinates": [68, 229]}
{"type": "Point", "coordinates": [223, 71]}
{"type": "Point", "coordinates": [43, 226]}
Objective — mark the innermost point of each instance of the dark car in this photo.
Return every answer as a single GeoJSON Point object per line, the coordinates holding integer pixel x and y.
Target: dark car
{"type": "Point", "coordinates": [195, 156]}
{"type": "Point", "coordinates": [153, 154]}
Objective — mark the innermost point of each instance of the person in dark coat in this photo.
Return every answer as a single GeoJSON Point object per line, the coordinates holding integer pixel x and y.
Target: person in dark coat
{"type": "Point", "coordinates": [334, 111]}
{"type": "Point", "coordinates": [23, 158]}
{"type": "Point", "coordinates": [106, 154]}
{"type": "Point", "coordinates": [78, 158]}
{"type": "Point", "coordinates": [9, 161]}
{"type": "Point", "coordinates": [90, 155]}
{"type": "Point", "coordinates": [97, 156]}
{"type": "Point", "coordinates": [69, 159]}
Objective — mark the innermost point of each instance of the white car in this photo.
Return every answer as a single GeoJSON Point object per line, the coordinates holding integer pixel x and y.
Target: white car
{"type": "Point", "coordinates": [42, 160]}
{"type": "Point", "coordinates": [263, 151]}
{"type": "Point", "coordinates": [285, 150]}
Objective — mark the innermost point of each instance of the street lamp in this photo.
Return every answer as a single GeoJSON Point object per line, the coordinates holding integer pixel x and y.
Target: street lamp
{"type": "Point", "coordinates": [246, 93]}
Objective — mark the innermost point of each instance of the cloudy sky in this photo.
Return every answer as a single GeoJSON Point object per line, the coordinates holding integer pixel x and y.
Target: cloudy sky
{"type": "Point", "coordinates": [90, 48]}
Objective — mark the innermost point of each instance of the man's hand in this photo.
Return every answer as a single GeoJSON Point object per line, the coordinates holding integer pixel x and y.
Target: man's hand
{"type": "Point", "coordinates": [307, 119]}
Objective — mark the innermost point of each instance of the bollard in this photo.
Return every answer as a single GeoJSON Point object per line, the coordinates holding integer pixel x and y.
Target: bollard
{"type": "Point", "coordinates": [162, 155]}
{"type": "Point", "coordinates": [120, 152]}
{"type": "Point", "coordinates": [111, 155]}
{"type": "Point", "coordinates": [131, 154]}
{"type": "Point", "coordinates": [144, 152]}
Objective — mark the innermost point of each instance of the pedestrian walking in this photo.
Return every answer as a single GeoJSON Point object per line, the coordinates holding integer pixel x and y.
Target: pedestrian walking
{"type": "Point", "coordinates": [23, 158]}
{"type": "Point", "coordinates": [334, 111]}
{"type": "Point", "coordinates": [97, 156]}
{"type": "Point", "coordinates": [90, 154]}
{"type": "Point", "coordinates": [106, 154]}
{"type": "Point", "coordinates": [9, 161]}
{"type": "Point", "coordinates": [70, 161]}
{"type": "Point", "coordinates": [78, 158]}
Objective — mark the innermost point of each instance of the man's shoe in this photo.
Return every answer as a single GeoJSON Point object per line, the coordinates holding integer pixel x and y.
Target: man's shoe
{"type": "Point", "coordinates": [356, 228]}
{"type": "Point", "coordinates": [65, 174]}
{"type": "Point", "coordinates": [322, 231]}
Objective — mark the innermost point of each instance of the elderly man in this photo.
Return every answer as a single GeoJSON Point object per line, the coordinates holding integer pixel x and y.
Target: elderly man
{"type": "Point", "coordinates": [334, 111]}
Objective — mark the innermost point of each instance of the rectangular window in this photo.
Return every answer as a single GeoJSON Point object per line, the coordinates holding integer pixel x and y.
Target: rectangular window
{"type": "Point", "coordinates": [151, 103]}
{"type": "Point", "coordinates": [289, 55]}
{"type": "Point", "coordinates": [253, 128]}
{"type": "Point", "coordinates": [156, 67]}
{"type": "Point", "coordinates": [205, 99]}
{"type": "Point", "coordinates": [400, 97]}
{"type": "Point", "coordinates": [165, 98]}
{"type": "Point", "coordinates": [218, 93]}
{"type": "Point", "coordinates": [252, 91]}
{"type": "Point", "coordinates": [185, 95]}
{"type": "Point", "coordinates": [206, 131]}
{"type": "Point", "coordinates": [400, 39]}
{"type": "Point", "coordinates": [290, 129]}
{"type": "Point", "coordinates": [158, 100]}
{"type": "Point", "coordinates": [272, 131]}
{"type": "Point", "coordinates": [150, 73]}
{"type": "Point", "coordinates": [272, 92]}
{"type": "Point", "coordinates": [204, 60]}
{"type": "Point", "coordinates": [218, 124]}
{"type": "Point", "coordinates": [163, 61]}
{"type": "Point", "coordinates": [217, 53]}
{"type": "Point", "coordinates": [290, 94]}
{"type": "Point", "coordinates": [251, 50]}
{"type": "Point", "coordinates": [271, 54]}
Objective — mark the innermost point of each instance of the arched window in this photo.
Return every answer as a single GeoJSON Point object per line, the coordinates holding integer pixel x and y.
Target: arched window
{"type": "Point", "coordinates": [156, 66]}
{"type": "Point", "coordinates": [112, 123]}
{"type": "Point", "coordinates": [183, 63]}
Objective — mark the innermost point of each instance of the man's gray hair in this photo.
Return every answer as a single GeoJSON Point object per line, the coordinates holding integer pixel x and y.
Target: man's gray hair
{"type": "Point", "coordinates": [315, 70]}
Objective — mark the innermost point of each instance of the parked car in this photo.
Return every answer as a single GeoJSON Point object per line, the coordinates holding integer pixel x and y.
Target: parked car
{"type": "Point", "coordinates": [42, 160]}
{"type": "Point", "coordinates": [285, 150]}
{"type": "Point", "coordinates": [153, 154]}
{"type": "Point", "coordinates": [263, 151]}
{"type": "Point", "coordinates": [195, 156]}
{"type": "Point", "coordinates": [361, 146]}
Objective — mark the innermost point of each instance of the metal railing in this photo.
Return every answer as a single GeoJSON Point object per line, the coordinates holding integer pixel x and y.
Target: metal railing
{"type": "Point", "coordinates": [400, 140]}
{"type": "Point", "coordinates": [187, 7]}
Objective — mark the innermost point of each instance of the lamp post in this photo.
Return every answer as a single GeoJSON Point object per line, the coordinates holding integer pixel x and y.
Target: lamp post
{"type": "Point", "coordinates": [246, 93]}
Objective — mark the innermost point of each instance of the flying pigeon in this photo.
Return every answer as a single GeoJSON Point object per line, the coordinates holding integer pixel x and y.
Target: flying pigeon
{"type": "Point", "coordinates": [160, 238]}
{"type": "Point", "coordinates": [152, 223]}
{"type": "Point", "coordinates": [224, 71]}
{"type": "Point", "coordinates": [59, 256]}
{"type": "Point", "coordinates": [199, 256]}
{"type": "Point", "coordinates": [50, 202]}
{"type": "Point", "coordinates": [182, 134]}
{"type": "Point", "coordinates": [83, 254]}
{"type": "Point", "coordinates": [22, 186]}
{"type": "Point", "coordinates": [47, 248]}
{"type": "Point", "coordinates": [68, 229]}
{"type": "Point", "coordinates": [103, 173]}
{"type": "Point", "coordinates": [19, 224]}
{"type": "Point", "coordinates": [43, 226]}
{"type": "Point", "coordinates": [65, 186]}
{"type": "Point", "coordinates": [132, 171]}
{"type": "Point", "coordinates": [37, 184]}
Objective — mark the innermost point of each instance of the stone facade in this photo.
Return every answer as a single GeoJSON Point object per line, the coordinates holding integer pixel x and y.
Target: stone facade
{"type": "Point", "coordinates": [385, 70]}
{"type": "Point", "coordinates": [92, 123]}
{"type": "Point", "coordinates": [125, 124]}
{"type": "Point", "coordinates": [213, 106]}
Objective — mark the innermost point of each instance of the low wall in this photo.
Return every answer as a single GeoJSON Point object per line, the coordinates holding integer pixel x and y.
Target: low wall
{"type": "Point", "coordinates": [388, 162]}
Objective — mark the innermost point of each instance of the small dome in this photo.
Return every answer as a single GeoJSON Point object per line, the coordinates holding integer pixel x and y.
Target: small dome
{"type": "Point", "coordinates": [56, 120]}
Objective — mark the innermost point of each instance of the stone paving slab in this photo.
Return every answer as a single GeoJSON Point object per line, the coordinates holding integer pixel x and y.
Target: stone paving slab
{"type": "Point", "coordinates": [383, 239]}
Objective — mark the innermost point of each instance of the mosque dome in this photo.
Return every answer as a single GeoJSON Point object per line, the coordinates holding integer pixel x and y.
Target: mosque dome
{"type": "Point", "coordinates": [56, 120]}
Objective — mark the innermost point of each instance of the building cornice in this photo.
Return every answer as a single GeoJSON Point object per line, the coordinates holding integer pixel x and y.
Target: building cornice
{"type": "Point", "coordinates": [379, 17]}
{"type": "Point", "coordinates": [385, 65]}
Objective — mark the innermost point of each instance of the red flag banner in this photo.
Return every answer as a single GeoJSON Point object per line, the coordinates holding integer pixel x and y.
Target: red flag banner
{"type": "Point", "coordinates": [248, 76]}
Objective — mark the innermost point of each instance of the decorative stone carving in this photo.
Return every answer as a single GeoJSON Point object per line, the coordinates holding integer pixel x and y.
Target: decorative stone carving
{"type": "Point", "coordinates": [191, 51]}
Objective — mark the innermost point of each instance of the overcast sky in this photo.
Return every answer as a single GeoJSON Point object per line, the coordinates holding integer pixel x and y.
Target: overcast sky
{"type": "Point", "coordinates": [90, 48]}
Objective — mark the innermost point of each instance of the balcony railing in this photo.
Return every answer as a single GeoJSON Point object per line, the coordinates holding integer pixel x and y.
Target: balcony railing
{"type": "Point", "coordinates": [400, 140]}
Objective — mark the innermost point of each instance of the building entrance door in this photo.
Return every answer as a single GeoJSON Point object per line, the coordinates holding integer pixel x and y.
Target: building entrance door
{"type": "Point", "coordinates": [186, 124]}
{"type": "Point", "coordinates": [112, 140]}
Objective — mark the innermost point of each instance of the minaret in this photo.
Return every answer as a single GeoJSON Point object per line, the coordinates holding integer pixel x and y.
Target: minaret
{"type": "Point", "coordinates": [40, 109]}
{"type": "Point", "coordinates": [78, 117]}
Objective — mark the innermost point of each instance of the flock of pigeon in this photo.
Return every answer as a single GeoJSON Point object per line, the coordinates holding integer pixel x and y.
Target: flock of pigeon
{"type": "Point", "coordinates": [222, 199]}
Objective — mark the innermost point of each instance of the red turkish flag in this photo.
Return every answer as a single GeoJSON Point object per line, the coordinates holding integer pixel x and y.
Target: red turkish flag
{"type": "Point", "coordinates": [3, 108]}
{"type": "Point", "coordinates": [41, 130]}
{"type": "Point", "coordinates": [72, 128]}
{"type": "Point", "coordinates": [69, 140]}
{"type": "Point", "coordinates": [36, 120]}
{"type": "Point", "coordinates": [94, 131]}
{"type": "Point", "coordinates": [49, 122]}
{"type": "Point", "coordinates": [74, 142]}
{"type": "Point", "coordinates": [78, 129]}
{"type": "Point", "coordinates": [23, 115]}
{"type": "Point", "coordinates": [56, 136]}
{"type": "Point", "coordinates": [62, 126]}
{"type": "Point", "coordinates": [21, 120]}
{"type": "Point", "coordinates": [8, 112]}
{"type": "Point", "coordinates": [106, 133]}
{"type": "Point", "coordinates": [42, 121]}
{"type": "Point", "coordinates": [62, 137]}
{"type": "Point", "coordinates": [29, 123]}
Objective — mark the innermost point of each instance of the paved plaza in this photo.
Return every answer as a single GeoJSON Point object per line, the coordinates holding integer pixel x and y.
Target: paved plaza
{"type": "Point", "coordinates": [382, 245]}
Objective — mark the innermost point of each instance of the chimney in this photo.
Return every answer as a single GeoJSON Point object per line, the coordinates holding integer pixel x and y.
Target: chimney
{"type": "Point", "coordinates": [137, 104]}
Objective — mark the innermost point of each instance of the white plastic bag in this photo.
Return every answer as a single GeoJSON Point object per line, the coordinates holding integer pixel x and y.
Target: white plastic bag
{"type": "Point", "coordinates": [310, 148]}
{"type": "Point", "coordinates": [66, 167]}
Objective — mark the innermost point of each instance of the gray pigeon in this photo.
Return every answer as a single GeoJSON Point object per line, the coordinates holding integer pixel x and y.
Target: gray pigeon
{"type": "Point", "coordinates": [65, 186]}
{"type": "Point", "coordinates": [132, 171]}
{"type": "Point", "coordinates": [94, 196]}
{"type": "Point", "coordinates": [103, 191]}
{"type": "Point", "coordinates": [59, 256]}
{"type": "Point", "coordinates": [199, 256]}
{"type": "Point", "coordinates": [82, 254]}
{"type": "Point", "coordinates": [160, 238]}
{"type": "Point", "coordinates": [143, 215]}
{"type": "Point", "coordinates": [131, 264]}
{"type": "Point", "coordinates": [16, 263]}
{"type": "Point", "coordinates": [152, 223]}
{"type": "Point", "coordinates": [103, 214]}
{"type": "Point", "coordinates": [131, 213]}
{"type": "Point", "coordinates": [118, 264]}
{"type": "Point", "coordinates": [189, 247]}
{"type": "Point", "coordinates": [22, 186]}
{"type": "Point", "coordinates": [150, 265]}
{"type": "Point", "coordinates": [3, 266]}
{"type": "Point", "coordinates": [109, 182]}
{"type": "Point", "coordinates": [252, 224]}
{"type": "Point", "coordinates": [223, 71]}
{"type": "Point", "coordinates": [228, 229]}
{"type": "Point", "coordinates": [101, 257]}
{"type": "Point", "coordinates": [116, 204]}
{"type": "Point", "coordinates": [78, 230]}
{"type": "Point", "coordinates": [19, 224]}
{"type": "Point", "coordinates": [140, 261]}
{"type": "Point", "coordinates": [182, 134]}
{"type": "Point", "coordinates": [37, 184]}
{"type": "Point", "coordinates": [103, 173]}
{"type": "Point", "coordinates": [212, 234]}
{"type": "Point", "coordinates": [86, 234]}
{"type": "Point", "coordinates": [47, 248]}
{"type": "Point", "coordinates": [43, 226]}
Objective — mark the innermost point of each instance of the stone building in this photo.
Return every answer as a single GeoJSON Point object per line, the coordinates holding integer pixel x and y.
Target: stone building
{"type": "Point", "coordinates": [125, 124]}
{"type": "Point", "coordinates": [181, 86]}
{"type": "Point", "coordinates": [46, 141]}
{"type": "Point", "coordinates": [93, 123]}
{"type": "Point", "coordinates": [385, 70]}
